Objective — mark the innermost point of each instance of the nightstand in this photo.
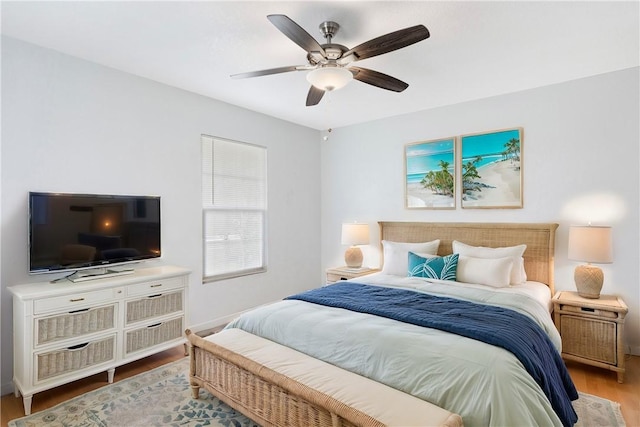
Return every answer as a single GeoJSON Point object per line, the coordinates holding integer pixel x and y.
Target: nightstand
{"type": "Point", "coordinates": [591, 329]}
{"type": "Point", "coordinates": [345, 273]}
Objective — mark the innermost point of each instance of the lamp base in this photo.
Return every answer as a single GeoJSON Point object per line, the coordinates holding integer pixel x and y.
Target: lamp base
{"type": "Point", "coordinates": [353, 257]}
{"type": "Point", "coordinates": [589, 280]}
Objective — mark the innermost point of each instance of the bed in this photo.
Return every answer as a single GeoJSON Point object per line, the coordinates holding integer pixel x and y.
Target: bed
{"type": "Point", "coordinates": [487, 383]}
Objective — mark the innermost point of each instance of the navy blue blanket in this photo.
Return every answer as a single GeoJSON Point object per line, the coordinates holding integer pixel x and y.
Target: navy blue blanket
{"type": "Point", "coordinates": [497, 326]}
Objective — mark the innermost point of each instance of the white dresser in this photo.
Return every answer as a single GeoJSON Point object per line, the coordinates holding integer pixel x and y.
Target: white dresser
{"type": "Point", "coordinates": [66, 331]}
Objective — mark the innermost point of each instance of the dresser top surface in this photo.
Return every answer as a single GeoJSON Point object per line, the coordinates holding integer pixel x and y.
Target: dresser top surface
{"type": "Point", "coordinates": [46, 289]}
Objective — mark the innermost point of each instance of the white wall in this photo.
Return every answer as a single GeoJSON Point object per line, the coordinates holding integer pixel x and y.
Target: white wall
{"type": "Point", "coordinates": [580, 164]}
{"type": "Point", "coordinates": [73, 126]}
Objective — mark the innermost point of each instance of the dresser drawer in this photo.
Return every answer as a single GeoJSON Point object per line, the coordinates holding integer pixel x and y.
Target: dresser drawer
{"type": "Point", "coordinates": [154, 334]}
{"type": "Point", "coordinates": [76, 358]}
{"type": "Point", "coordinates": [154, 306]}
{"type": "Point", "coordinates": [75, 324]}
{"type": "Point", "coordinates": [155, 287]}
{"type": "Point", "coordinates": [72, 302]}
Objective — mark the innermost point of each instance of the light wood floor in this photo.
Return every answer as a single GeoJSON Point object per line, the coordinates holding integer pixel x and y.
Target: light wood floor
{"type": "Point", "coordinates": [587, 379]}
{"type": "Point", "coordinates": [604, 383]}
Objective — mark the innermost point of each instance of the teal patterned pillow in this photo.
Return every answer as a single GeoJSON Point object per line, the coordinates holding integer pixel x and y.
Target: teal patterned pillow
{"type": "Point", "coordinates": [443, 268]}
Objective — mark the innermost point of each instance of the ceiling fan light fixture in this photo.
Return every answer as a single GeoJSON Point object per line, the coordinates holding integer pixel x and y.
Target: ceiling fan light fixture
{"type": "Point", "coordinates": [329, 78]}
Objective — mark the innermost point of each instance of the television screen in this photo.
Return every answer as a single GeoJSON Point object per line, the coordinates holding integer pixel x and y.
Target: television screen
{"type": "Point", "coordinates": [76, 231]}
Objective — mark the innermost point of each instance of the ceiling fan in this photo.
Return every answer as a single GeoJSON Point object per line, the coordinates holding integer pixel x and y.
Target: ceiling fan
{"type": "Point", "coordinates": [330, 64]}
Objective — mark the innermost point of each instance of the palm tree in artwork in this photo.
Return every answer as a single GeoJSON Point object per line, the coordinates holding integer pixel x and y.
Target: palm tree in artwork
{"type": "Point", "coordinates": [469, 175]}
{"type": "Point", "coordinates": [513, 149]}
{"type": "Point", "coordinates": [505, 154]}
{"type": "Point", "coordinates": [440, 182]}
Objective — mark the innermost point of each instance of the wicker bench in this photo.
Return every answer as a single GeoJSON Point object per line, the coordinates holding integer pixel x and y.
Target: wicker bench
{"type": "Point", "coordinates": [278, 386]}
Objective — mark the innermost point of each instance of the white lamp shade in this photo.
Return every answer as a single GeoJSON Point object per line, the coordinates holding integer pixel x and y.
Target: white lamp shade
{"type": "Point", "coordinates": [355, 234]}
{"type": "Point", "coordinates": [590, 244]}
{"type": "Point", "coordinates": [329, 78]}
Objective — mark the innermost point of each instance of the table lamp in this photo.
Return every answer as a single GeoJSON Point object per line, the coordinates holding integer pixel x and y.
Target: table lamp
{"type": "Point", "coordinates": [591, 244]}
{"type": "Point", "coordinates": [354, 234]}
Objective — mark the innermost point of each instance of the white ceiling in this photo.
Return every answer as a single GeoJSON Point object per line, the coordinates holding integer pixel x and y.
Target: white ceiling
{"type": "Point", "coordinates": [476, 49]}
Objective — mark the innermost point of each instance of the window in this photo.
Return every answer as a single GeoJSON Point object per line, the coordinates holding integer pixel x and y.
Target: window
{"type": "Point", "coordinates": [234, 208]}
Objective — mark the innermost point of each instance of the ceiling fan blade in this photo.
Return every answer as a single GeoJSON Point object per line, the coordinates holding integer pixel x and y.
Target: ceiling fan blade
{"type": "Point", "coordinates": [378, 79]}
{"type": "Point", "coordinates": [296, 33]}
{"type": "Point", "coordinates": [265, 72]}
{"type": "Point", "coordinates": [387, 43]}
{"type": "Point", "coordinates": [314, 96]}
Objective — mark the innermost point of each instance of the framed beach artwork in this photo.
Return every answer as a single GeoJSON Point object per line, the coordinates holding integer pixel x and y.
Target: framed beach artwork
{"type": "Point", "coordinates": [491, 169]}
{"type": "Point", "coordinates": [430, 170]}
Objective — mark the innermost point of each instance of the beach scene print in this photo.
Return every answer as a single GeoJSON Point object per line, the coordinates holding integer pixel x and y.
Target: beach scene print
{"type": "Point", "coordinates": [491, 170]}
{"type": "Point", "coordinates": [430, 174]}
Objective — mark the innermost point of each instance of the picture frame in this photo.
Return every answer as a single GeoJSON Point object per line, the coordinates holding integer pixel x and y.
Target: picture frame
{"type": "Point", "coordinates": [430, 174]}
{"type": "Point", "coordinates": [491, 169]}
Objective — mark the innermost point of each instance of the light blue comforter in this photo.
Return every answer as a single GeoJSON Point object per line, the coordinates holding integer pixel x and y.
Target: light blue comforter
{"type": "Point", "coordinates": [486, 385]}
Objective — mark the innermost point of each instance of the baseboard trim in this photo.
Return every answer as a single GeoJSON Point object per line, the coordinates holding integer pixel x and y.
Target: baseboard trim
{"type": "Point", "coordinates": [219, 321]}
{"type": "Point", "coordinates": [7, 388]}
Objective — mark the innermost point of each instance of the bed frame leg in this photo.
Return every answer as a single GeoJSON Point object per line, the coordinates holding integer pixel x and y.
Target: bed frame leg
{"type": "Point", "coordinates": [195, 391]}
{"type": "Point", "coordinates": [335, 421]}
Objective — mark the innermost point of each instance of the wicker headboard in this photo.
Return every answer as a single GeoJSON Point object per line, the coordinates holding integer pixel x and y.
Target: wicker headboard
{"type": "Point", "coordinates": [539, 238]}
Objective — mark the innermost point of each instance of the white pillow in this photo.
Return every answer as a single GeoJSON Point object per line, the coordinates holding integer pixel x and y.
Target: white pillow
{"type": "Point", "coordinates": [518, 275]}
{"type": "Point", "coordinates": [494, 272]}
{"type": "Point", "coordinates": [396, 255]}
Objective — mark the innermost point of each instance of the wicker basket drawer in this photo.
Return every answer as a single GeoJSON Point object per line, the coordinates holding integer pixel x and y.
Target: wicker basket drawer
{"type": "Point", "coordinates": [152, 335]}
{"type": "Point", "coordinates": [75, 324]}
{"type": "Point", "coordinates": [76, 358]}
{"type": "Point", "coordinates": [154, 306]}
{"type": "Point", "coordinates": [589, 338]}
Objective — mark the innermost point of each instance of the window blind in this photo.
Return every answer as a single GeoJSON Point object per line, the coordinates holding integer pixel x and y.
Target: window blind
{"type": "Point", "coordinates": [234, 206]}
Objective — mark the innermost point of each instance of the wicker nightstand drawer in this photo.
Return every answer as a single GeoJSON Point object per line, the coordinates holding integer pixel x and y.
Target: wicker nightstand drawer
{"type": "Point", "coordinates": [590, 311]}
{"type": "Point", "coordinates": [589, 338]}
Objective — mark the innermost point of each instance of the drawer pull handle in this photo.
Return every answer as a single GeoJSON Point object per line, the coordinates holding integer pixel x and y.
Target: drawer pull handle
{"type": "Point", "coordinates": [79, 311]}
{"type": "Point", "coordinates": [154, 296]}
{"type": "Point", "coordinates": [76, 299]}
{"type": "Point", "coordinates": [591, 310]}
{"type": "Point", "coordinates": [77, 347]}
{"type": "Point", "coordinates": [156, 286]}
{"type": "Point", "coordinates": [154, 326]}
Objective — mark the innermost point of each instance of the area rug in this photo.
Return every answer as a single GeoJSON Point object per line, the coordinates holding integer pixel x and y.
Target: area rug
{"type": "Point", "coordinates": [594, 411]}
{"type": "Point", "coordinates": [162, 397]}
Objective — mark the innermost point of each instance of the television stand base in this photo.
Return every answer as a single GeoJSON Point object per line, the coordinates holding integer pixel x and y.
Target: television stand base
{"type": "Point", "coordinates": [96, 273]}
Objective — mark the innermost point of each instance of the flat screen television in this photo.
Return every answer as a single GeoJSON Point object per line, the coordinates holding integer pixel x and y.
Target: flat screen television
{"type": "Point", "coordinates": [70, 232]}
